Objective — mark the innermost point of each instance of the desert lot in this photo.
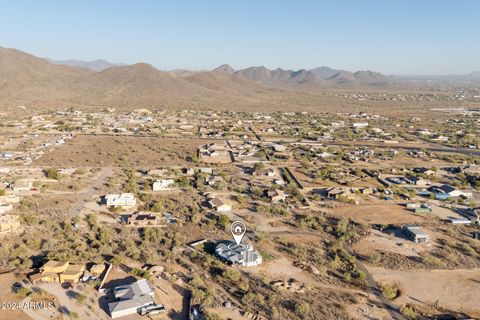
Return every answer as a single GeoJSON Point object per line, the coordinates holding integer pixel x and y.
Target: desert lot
{"type": "Point", "coordinates": [451, 289]}
{"type": "Point", "coordinates": [91, 150]}
{"type": "Point", "coordinates": [378, 214]}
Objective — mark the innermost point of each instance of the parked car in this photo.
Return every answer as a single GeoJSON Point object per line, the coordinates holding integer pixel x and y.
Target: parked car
{"type": "Point", "coordinates": [152, 309]}
{"type": "Point", "coordinates": [67, 285]}
{"type": "Point", "coordinates": [196, 312]}
{"type": "Point", "coordinates": [16, 286]}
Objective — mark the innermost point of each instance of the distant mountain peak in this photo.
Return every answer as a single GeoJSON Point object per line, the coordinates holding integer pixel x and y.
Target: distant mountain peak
{"type": "Point", "coordinates": [225, 68]}
{"type": "Point", "coordinates": [94, 65]}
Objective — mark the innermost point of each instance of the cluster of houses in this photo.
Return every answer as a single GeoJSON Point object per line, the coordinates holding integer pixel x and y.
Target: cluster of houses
{"type": "Point", "coordinates": [244, 151]}
{"type": "Point", "coordinates": [131, 298]}
{"type": "Point", "coordinates": [215, 153]}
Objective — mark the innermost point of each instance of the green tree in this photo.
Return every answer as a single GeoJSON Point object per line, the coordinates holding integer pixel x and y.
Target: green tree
{"type": "Point", "coordinates": [80, 298]}
{"type": "Point", "coordinates": [302, 308]}
{"type": "Point", "coordinates": [196, 218]}
{"type": "Point", "coordinates": [223, 220]}
{"type": "Point", "coordinates": [52, 173]}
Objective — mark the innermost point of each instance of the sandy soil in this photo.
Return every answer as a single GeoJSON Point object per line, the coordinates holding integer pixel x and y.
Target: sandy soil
{"type": "Point", "coordinates": [443, 213]}
{"type": "Point", "coordinates": [89, 310]}
{"type": "Point", "coordinates": [91, 150]}
{"type": "Point", "coordinates": [233, 313]}
{"type": "Point", "coordinates": [173, 297]}
{"type": "Point", "coordinates": [378, 214]}
{"type": "Point", "coordinates": [366, 310]}
{"type": "Point", "coordinates": [284, 269]}
{"type": "Point", "coordinates": [379, 241]}
{"type": "Point", "coordinates": [13, 314]}
{"type": "Point", "coordinates": [453, 289]}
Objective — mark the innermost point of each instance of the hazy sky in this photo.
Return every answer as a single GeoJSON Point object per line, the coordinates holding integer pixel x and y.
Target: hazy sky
{"type": "Point", "coordinates": [390, 36]}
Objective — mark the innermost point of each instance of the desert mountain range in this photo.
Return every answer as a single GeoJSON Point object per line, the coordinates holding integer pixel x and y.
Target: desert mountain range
{"type": "Point", "coordinates": [26, 79]}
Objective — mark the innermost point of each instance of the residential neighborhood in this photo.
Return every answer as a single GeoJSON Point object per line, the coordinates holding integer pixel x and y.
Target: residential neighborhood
{"type": "Point", "coordinates": [145, 230]}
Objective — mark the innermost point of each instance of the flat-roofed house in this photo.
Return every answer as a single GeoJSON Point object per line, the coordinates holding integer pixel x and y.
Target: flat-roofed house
{"type": "Point", "coordinates": [120, 200]}
{"type": "Point", "coordinates": [415, 233]}
{"type": "Point", "coordinates": [162, 184]}
{"type": "Point", "coordinates": [144, 218]}
{"type": "Point", "coordinates": [243, 255]}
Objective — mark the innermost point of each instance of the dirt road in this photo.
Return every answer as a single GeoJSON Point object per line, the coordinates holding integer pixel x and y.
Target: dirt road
{"type": "Point", "coordinates": [90, 191]}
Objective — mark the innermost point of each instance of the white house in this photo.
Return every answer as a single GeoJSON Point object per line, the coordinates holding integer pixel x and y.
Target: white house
{"type": "Point", "coordinates": [120, 200]}
{"type": "Point", "coordinates": [7, 155]}
{"type": "Point", "coordinates": [271, 173]}
{"type": "Point", "coordinates": [5, 207]}
{"type": "Point", "coordinates": [212, 180]}
{"type": "Point", "coordinates": [162, 184]}
{"type": "Point", "coordinates": [451, 191]}
{"type": "Point", "coordinates": [360, 124]}
{"type": "Point", "coordinates": [130, 298]}
{"type": "Point", "coordinates": [242, 255]}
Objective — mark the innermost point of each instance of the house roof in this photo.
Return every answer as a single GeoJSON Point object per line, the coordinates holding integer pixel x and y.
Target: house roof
{"type": "Point", "coordinates": [55, 264]}
{"type": "Point", "coordinates": [216, 202]}
{"type": "Point", "coordinates": [135, 303]}
{"type": "Point", "coordinates": [36, 276]}
{"type": "Point", "coordinates": [74, 269]}
{"type": "Point", "coordinates": [275, 193]}
{"type": "Point", "coordinates": [243, 254]}
{"type": "Point", "coordinates": [417, 230]}
{"type": "Point", "coordinates": [446, 188]}
{"type": "Point", "coordinates": [336, 190]}
{"type": "Point", "coordinates": [97, 268]}
{"type": "Point", "coordinates": [129, 291]}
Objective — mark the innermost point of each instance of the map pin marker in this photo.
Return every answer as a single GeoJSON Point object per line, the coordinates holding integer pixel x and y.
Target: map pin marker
{"type": "Point", "coordinates": [238, 229]}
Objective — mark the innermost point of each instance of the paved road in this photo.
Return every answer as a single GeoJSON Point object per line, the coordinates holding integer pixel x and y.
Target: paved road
{"type": "Point", "coordinates": [80, 204]}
